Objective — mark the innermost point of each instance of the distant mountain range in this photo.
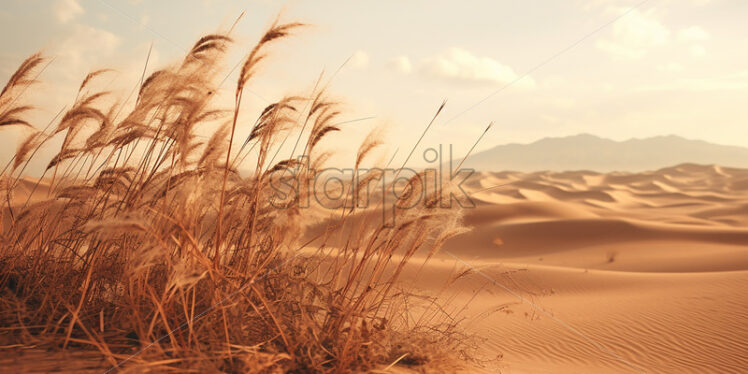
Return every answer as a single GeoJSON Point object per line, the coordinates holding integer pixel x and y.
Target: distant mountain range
{"type": "Point", "coordinates": [589, 152]}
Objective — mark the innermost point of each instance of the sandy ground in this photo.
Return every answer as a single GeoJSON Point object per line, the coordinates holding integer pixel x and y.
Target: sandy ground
{"type": "Point", "coordinates": [581, 272]}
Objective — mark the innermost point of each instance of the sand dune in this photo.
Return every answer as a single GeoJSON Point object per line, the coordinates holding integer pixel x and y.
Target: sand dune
{"type": "Point", "coordinates": [602, 321]}
{"type": "Point", "coordinates": [582, 272]}
{"type": "Point", "coordinates": [619, 272]}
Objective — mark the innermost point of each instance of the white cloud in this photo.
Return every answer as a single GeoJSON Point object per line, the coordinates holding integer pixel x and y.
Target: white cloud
{"type": "Point", "coordinates": [359, 59]}
{"type": "Point", "coordinates": [89, 38]}
{"type": "Point", "coordinates": [84, 47]}
{"type": "Point", "coordinates": [737, 81]}
{"type": "Point", "coordinates": [66, 10]}
{"type": "Point", "coordinates": [634, 34]}
{"type": "Point", "coordinates": [697, 50]}
{"type": "Point", "coordinates": [401, 64]}
{"type": "Point", "coordinates": [693, 34]}
{"type": "Point", "coordinates": [459, 65]}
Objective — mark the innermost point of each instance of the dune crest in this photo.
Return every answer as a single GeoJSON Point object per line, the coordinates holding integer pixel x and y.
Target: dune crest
{"type": "Point", "coordinates": [636, 272]}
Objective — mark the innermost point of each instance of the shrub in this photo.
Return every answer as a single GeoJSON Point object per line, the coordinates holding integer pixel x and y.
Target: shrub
{"type": "Point", "coordinates": [148, 245]}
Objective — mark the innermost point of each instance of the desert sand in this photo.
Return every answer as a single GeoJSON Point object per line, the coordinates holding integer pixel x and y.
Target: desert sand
{"type": "Point", "coordinates": [581, 272]}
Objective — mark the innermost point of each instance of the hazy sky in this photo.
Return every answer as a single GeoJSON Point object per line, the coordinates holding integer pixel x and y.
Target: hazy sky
{"type": "Point", "coordinates": [666, 67]}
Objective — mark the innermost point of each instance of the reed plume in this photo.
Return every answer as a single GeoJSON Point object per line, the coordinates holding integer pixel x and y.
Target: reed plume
{"type": "Point", "coordinates": [149, 240]}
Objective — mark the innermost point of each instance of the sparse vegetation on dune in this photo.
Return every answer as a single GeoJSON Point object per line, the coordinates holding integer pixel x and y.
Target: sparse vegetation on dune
{"type": "Point", "coordinates": [146, 244]}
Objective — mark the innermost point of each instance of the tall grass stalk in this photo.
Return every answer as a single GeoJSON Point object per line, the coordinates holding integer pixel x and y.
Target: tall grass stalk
{"type": "Point", "coordinates": [147, 239]}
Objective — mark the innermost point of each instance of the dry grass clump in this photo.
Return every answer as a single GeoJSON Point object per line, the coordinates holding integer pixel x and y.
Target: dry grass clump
{"type": "Point", "coordinates": [147, 245]}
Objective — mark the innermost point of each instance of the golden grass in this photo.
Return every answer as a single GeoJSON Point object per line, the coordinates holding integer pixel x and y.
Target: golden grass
{"type": "Point", "coordinates": [151, 249]}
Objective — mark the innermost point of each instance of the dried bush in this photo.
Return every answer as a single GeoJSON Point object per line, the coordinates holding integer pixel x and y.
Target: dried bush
{"type": "Point", "coordinates": [147, 245]}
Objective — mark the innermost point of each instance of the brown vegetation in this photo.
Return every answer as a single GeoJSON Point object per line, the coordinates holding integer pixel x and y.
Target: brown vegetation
{"type": "Point", "coordinates": [148, 246]}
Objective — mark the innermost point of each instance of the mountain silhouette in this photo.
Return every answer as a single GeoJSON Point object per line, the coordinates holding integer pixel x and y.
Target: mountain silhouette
{"type": "Point", "coordinates": [590, 152]}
